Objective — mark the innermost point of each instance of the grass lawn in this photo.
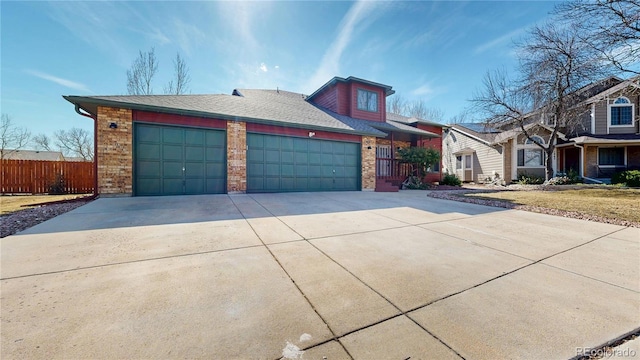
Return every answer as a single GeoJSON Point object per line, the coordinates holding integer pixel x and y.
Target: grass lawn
{"type": "Point", "coordinates": [611, 202]}
{"type": "Point", "coordinates": [13, 203]}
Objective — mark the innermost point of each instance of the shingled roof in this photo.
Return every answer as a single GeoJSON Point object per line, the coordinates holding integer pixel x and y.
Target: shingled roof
{"type": "Point", "coordinates": [276, 107]}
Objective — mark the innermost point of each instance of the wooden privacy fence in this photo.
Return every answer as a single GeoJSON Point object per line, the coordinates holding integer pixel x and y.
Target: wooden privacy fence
{"type": "Point", "coordinates": [36, 177]}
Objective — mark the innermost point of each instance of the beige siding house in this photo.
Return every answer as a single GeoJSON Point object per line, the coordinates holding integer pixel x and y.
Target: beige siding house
{"type": "Point", "coordinates": [605, 140]}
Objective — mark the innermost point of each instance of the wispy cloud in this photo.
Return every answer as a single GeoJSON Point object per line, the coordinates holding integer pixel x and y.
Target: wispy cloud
{"type": "Point", "coordinates": [423, 90]}
{"type": "Point", "coordinates": [359, 16]}
{"type": "Point", "coordinates": [499, 41]}
{"type": "Point", "coordinates": [58, 80]}
{"type": "Point", "coordinates": [263, 67]}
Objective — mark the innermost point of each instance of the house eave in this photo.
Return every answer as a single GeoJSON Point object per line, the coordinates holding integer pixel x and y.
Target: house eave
{"type": "Point", "coordinates": [81, 101]}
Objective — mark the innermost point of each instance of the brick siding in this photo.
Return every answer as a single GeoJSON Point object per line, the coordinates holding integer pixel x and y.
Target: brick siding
{"type": "Point", "coordinates": [114, 153]}
{"type": "Point", "coordinates": [236, 157]}
{"type": "Point", "coordinates": [368, 163]}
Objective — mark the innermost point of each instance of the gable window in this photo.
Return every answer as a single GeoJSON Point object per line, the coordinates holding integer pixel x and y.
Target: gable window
{"type": "Point", "coordinates": [531, 155]}
{"type": "Point", "coordinates": [621, 112]}
{"type": "Point", "coordinates": [367, 100]}
{"type": "Point", "coordinates": [611, 156]}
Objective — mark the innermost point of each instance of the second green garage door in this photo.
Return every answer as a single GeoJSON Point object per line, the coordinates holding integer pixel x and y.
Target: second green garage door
{"type": "Point", "coordinates": [173, 160]}
{"type": "Point", "coordinates": [281, 163]}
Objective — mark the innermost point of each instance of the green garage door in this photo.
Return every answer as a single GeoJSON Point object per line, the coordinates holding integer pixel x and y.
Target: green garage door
{"type": "Point", "coordinates": [174, 160]}
{"type": "Point", "coordinates": [280, 163]}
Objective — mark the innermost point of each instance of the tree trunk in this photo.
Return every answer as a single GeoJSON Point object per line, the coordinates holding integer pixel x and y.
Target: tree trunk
{"type": "Point", "coordinates": [549, 164]}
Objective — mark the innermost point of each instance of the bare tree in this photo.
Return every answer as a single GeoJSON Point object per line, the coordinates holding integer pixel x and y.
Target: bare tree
{"type": "Point", "coordinates": [611, 27]}
{"type": "Point", "coordinates": [396, 104]}
{"type": "Point", "coordinates": [141, 74]}
{"type": "Point", "coordinates": [417, 108]}
{"type": "Point", "coordinates": [42, 142]}
{"type": "Point", "coordinates": [555, 66]}
{"type": "Point", "coordinates": [75, 142]}
{"type": "Point", "coordinates": [464, 116]}
{"type": "Point", "coordinates": [12, 137]}
{"type": "Point", "coordinates": [179, 84]}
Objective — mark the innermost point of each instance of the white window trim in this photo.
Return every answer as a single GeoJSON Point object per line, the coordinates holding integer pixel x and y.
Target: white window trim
{"type": "Point", "coordinates": [531, 146]}
{"type": "Point", "coordinates": [613, 104]}
{"type": "Point", "coordinates": [610, 147]}
{"type": "Point", "coordinates": [593, 118]}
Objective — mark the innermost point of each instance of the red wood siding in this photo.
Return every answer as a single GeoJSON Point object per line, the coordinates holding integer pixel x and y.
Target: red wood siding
{"type": "Point", "coordinates": [344, 100]}
{"type": "Point", "coordinates": [367, 115]}
{"type": "Point", "coordinates": [279, 130]}
{"type": "Point", "coordinates": [328, 98]}
{"type": "Point", "coordinates": [173, 119]}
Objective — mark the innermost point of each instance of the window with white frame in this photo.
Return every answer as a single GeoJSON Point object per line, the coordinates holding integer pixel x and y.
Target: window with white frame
{"type": "Point", "coordinates": [531, 155]}
{"type": "Point", "coordinates": [611, 156]}
{"type": "Point", "coordinates": [621, 112]}
{"type": "Point", "coordinates": [367, 100]}
{"type": "Point", "coordinates": [458, 162]}
{"type": "Point", "coordinates": [467, 162]}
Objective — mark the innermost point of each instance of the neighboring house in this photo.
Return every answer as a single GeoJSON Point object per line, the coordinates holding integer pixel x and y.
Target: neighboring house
{"type": "Point", "coordinates": [32, 155]}
{"type": "Point", "coordinates": [250, 141]}
{"type": "Point", "coordinates": [605, 141]}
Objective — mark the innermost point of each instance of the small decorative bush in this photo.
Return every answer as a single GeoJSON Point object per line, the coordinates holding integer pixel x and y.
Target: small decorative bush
{"type": "Point", "coordinates": [414, 183]}
{"type": "Point", "coordinates": [57, 186]}
{"type": "Point", "coordinates": [630, 178]}
{"type": "Point", "coordinates": [527, 179]}
{"type": "Point", "coordinates": [450, 179]}
{"type": "Point", "coordinates": [559, 180]}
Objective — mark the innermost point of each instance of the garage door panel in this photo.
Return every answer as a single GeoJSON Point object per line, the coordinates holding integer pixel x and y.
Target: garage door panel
{"type": "Point", "coordinates": [148, 134]}
{"type": "Point", "coordinates": [172, 135]}
{"type": "Point", "coordinates": [149, 151]}
{"type": "Point", "coordinates": [287, 157]}
{"type": "Point", "coordinates": [194, 137]}
{"type": "Point", "coordinates": [149, 169]}
{"type": "Point", "coordinates": [272, 142]}
{"type": "Point", "coordinates": [272, 156]}
{"type": "Point", "coordinates": [172, 152]}
{"type": "Point", "coordinates": [272, 183]}
{"type": "Point", "coordinates": [161, 152]}
{"type": "Point", "coordinates": [215, 138]}
{"type": "Point", "coordinates": [300, 164]}
{"type": "Point", "coordinates": [314, 158]}
{"type": "Point", "coordinates": [215, 186]}
{"type": "Point", "coordinates": [300, 145]}
{"type": "Point", "coordinates": [193, 153]}
{"type": "Point", "coordinates": [315, 170]}
{"type": "Point", "coordinates": [302, 171]}
{"type": "Point", "coordinates": [215, 170]}
{"type": "Point", "coordinates": [287, 170]}
{"type": "Point", "coordinates": [194, 170]}
{"type": "Point", "coordinates": [286, 144]}
{"type": "Point", "coordinates": [315, 146]}
{"type": "Point", "coordinates": [272, 169]}
{"type": "Point", "coordinates": [194, 186]}
{"type": "Point", "coordinates": [172, 186]}
{"type": "Point", "coordinates": [215, 154]}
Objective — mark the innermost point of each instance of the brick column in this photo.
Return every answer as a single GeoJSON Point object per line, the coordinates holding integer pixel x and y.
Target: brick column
{"type": "Point", "coordinates": [115, 152]}
{"type": "Point", "coordinates": [591, 161]}
{"type": "Point", "coordinates": [368, 157]}
{"type": "Point", "coordinates": [236, 157]}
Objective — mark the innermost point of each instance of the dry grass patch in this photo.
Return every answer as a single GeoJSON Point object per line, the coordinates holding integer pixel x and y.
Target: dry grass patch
{"type": "Point", "coordinates": [12, 203]}
{"type": "Point", "coordinates": [615, 203]}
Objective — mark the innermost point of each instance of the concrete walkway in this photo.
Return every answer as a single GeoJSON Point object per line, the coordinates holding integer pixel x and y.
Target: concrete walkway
{"type": "Point", "coordinates": [315, 275]}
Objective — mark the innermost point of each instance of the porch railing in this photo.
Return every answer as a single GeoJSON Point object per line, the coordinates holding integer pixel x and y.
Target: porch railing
{"type": "Point", "coordinates": [392, 169]}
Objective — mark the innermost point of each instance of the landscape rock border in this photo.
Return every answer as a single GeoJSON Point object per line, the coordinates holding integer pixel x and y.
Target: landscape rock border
{"type": "Point", "coordinates": [456, 195]}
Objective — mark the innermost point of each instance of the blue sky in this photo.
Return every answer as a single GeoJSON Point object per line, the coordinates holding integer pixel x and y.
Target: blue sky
{"type": "Point", "coordinates": [437, 51]}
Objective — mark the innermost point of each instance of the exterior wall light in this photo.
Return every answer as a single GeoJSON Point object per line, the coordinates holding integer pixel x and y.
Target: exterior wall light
{"type": "Point", "coordinates": [113, 125]}
{"type": "Point", "coordinates": [312, 134]}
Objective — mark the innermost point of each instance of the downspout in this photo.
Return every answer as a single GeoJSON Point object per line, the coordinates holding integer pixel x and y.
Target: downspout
{"type": "Point", "coordinates": [95, 148]}
{"type": "Point", "coordinates": [582, 165]}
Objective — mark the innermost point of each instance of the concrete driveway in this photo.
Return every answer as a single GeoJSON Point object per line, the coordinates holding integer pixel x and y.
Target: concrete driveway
{"type": "Point", "coordinates": [316, 276]}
